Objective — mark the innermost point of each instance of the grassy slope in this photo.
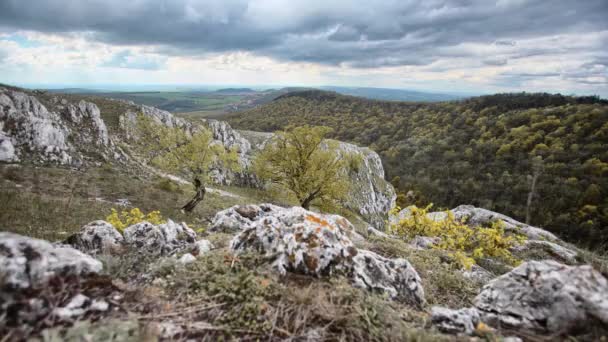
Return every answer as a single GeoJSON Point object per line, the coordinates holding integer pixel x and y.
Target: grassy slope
{"type": "Point", "coordinates": [50, 203]}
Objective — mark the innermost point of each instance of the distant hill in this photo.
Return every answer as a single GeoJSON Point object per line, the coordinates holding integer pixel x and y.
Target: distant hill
{"type": "Point", "coordinates": [235, 91]}
{"type": "Point", "coordinates": [393, 94]}
{"type": "Point", "coordinates": [483, 151]}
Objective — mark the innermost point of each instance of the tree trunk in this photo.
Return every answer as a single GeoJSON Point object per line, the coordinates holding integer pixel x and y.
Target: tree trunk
{"type": "Point", "coordinates": [306, 203]}
{"type": "Point", "coordinates": [198, 196]}
{"type": "Point", "coordinates": [531, 195]}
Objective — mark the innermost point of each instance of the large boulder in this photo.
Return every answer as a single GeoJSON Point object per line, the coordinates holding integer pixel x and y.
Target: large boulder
{"type": "Point", "coordinates": [545, 297]}
{"type": "Point", "coordinates": [301, 241]}
{"type": "Point", "coordinates": [162, 239]}
{"type": "Point", "coordinates": [30, 263]}
{"type": "Point", "coordinates": [97, 237]}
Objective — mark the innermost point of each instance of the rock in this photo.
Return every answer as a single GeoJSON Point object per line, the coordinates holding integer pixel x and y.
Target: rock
{"type": "Point", "coordinates": [187, 258]}
{"type": "Point", "coordinates": [424, 242]}
{"type": "Point", "coordinates": [7, 150]}
{"type": "Point", "coordinates": [202, 247]}
{"type": "Point", "coordinates": [301, 241]}
{"type": "Point", "coordinates": [545, 297]}
{"type": "Point", "coordinates": [61, 133]}
{"type": "Point", "coordinates": [369, 194]}
{"type": "Point", "coordinates": [237, 218]}
{"type": "Point", "coordinates": [373, 231]}
{"type": "Point", "coordinates": [395, 277]}
{"type": "Point", "coordinates": [476, 217]}
{"type": "Point", "coordinates": [78, 306]}
{"type": "Point", "coordinates": [478, 274]}
{"type": "Point", "coordinates": [30, 263]}
{"type": "Point", "coordinates": [162, 239]}
{"type": "Point", "coordinates": [97, 237]}
{"type": "Point", "coordinates": [463, 321]}
{"type": "Point", "coordinates": [560, 252]}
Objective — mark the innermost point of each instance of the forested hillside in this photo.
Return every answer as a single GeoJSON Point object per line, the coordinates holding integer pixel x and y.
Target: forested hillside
{"type": "Point", "coordinates": [537, 155]}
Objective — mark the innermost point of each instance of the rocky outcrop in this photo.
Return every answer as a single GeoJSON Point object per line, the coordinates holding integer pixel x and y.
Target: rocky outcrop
{"type": "Point", "coordinates": [301, 241]}
{"type": "Point", "coordinates": [30, 263]}
{"type": "Point", "coordinates": [97, 237]}
{"type": "Point", "coordinates": [477, 217]}
{"type": "Point", "coordinates": [553, 249]}
{"type": "Point", "coordinates": [162, 239]}
{"type": "Point", "coordinates": [463, 321]}
{"type": "Point", "coordinates": [545, 297]}
{"type": "Point", "coordinates": [369, 194]}
{"type": "Point", "coordinates": [65, 135]}
{"type": "Point", "coordinates": [540, 297]}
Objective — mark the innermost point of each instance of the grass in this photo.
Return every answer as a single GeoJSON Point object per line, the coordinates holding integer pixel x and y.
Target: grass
{"type": "Point", "coordinates": [51, 203]}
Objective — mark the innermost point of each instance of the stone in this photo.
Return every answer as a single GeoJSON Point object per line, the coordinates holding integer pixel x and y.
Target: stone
{"type": "Point", "coordinates": [394, 277]}
{"type": "Point", "coordinates": [301, 241]}
{"type": "Point", "coordinates": [424, 242]}
{"type": "Point", "coordinates": [476, 217]}
{"type": "Point", "coordinates": [97, 237]}
{"type": "Point", "coordinates": [373, 231]}
{"type": "Point", "coordinates": [30, 263]}
{"type": "Point", "coordinates": [7, 150]}
{"type": "Point", "coordinates": [162, 239]}
{"type": "Point", "coordinates": [463, 321]}
{"type": "Point", "coordinates": [187, 258]}
{"type": "Point", "coordinates": [63, 133]}
{"type": "Point", "coordinates": [557, 251]}
{"type": "Point", "coordinates": [478, 274]}
{"type": "Point", "coordinates": [545, 297]}
{"type": "Point", "coordinates": [78, 306]}
{"type": "Point", "coordinates": [202, 247]}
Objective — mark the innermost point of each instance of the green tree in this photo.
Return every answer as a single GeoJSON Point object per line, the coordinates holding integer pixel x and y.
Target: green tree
{"type": "Point", "coordinates": [175, 150]}
{"type": "Point", "coordinates": [298, 159]}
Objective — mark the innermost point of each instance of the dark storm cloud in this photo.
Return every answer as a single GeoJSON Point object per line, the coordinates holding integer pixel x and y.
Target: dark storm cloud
{"type": "Point", "coordinates": [355, 33]}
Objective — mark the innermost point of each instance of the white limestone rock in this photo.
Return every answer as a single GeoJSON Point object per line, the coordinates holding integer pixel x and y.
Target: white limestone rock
{"type": "Point", "coordinates": [463, 321]}
{"type": "Point", "coordinates": [301, 241]}
{"type": "Point", "coordinates": [162, 239]}
{"type": "Point", "coordinates": [556, 251]}
{"type": "Point", "coordinates": [395, 277]}
{"type": "Point", "coordinates": [30, 263]}
{"type": "Point", "coordinates": [545, 297]}
{"type": "Point", "coordinates": [476, 217]}
{"type": "Point", "coordinates": [97, 237]}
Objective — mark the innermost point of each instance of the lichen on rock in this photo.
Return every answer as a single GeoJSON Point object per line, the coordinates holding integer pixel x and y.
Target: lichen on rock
{"type": "Point", "coordinates": [301, 241]}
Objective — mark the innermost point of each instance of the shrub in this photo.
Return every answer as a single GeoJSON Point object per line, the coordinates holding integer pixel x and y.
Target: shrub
{"type": "Point", "coordinates": [464, 244]}
{"type": "Point", "coordinates": [128, 218]}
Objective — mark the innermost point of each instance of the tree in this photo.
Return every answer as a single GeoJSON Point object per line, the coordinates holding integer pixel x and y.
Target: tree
{"type": "Point", "coordinates": [301, 161]}
{"type": "Point", "coordinates": [175, 150]}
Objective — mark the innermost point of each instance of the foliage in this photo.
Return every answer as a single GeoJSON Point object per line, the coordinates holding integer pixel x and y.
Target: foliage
{"type": "Point", "coordinates": [480, 151]}
{"type": "Point", "coordinates": [301, 161]}
{"type": "Point", "coordinates": [130, 217]}
{"type": "Point", "coordinates": [463, 243]}
{"type": "Point", "coordinates": [174, 149]}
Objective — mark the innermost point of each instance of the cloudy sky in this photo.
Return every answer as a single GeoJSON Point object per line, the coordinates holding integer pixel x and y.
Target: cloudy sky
{"type": "Point", "coordinates": [438, 45]}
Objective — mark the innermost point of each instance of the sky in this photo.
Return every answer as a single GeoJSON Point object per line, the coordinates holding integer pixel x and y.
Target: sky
{"type": "Point", "coordinates": [478, 46]}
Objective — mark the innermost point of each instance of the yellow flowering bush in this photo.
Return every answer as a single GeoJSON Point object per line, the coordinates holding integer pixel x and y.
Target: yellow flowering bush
{"type": "Point", "coordinates": [122, 220]}
{"type": "Point", "coordinates": [464, 244]}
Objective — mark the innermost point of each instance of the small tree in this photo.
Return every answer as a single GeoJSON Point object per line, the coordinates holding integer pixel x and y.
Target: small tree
{"type": "Point", "coordinates": [301, 161]}
{"type": "Point", "coordinates": [175, 150]}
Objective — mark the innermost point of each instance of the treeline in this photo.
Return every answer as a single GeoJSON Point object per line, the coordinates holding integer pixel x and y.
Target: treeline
{"type": "Point", "coordinates": [539, 157]}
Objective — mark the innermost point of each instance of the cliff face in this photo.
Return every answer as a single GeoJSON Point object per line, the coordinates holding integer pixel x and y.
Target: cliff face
{"type": "Point", "coordinates": [370, 195]}
{"type": "Point", "coordinates": [51, 129]}
{"type": "Point", "coordinates": [67, 134]}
